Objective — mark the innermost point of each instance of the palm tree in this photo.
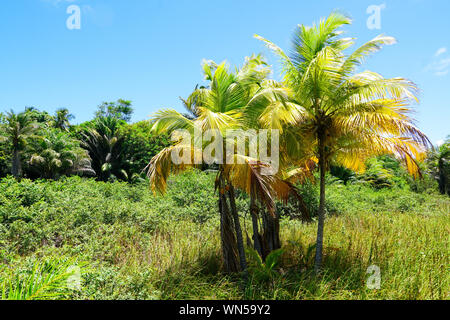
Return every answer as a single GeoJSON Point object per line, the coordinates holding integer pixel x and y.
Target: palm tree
{"type": "Point", "coordinates": [439, 159]}
{"type": "Point", "coordinates": [55, 153]}
{"type": "Point", "coordinates": [62, 119]}
{"type": "Point", "coordinates": [339, 116]}
{"type": "Point", "coordinates": [104, 143]}
{"type": "Point", "coordinates": [17, 130]}
{"type": "Point", "coordinates": [220, 106]}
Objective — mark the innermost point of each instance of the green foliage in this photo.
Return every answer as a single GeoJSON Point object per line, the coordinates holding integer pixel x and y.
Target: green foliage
{"type": "Point", "coordinates": [16, 132]}
{"type": "Point", "coordinates": [377, 174]}
{"type": "Point", "coordinates": [438, 163]}
{"type": "Point", "coordinates": [140, 145]}
{"type": "Point", "coordinates": [120, 110]}
{"type": "Point", "coordinates": [18, 129]}
{"type": "Point", "coordinates": [141, 246]}
{"type": "Point", "coordinates": [62, 119]}
{"type": "Point", "coordinates": [310, 194]}
{"type": "Point", "coordinates": [263, 271]}
{"type": "Point", "coordinates": [102, 139]}
{"type": "Point", "coordinates": [41, 117]}
{"type": "Point", "coordinates": [5, 159]}
{"type": "Point", "coordinates": [342, 173]}
{"type": "Point", "coordinates": [51, 279]}
{"type": "Point", "coordinates": [55, 153]}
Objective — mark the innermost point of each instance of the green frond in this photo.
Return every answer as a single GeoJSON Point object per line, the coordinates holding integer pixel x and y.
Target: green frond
{"type": "Point", "coordinates": [166, 121]}
{"type": "Point", "coordinates": [360, 54]}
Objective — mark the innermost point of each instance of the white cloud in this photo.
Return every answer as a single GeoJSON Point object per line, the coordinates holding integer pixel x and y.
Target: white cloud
{"type": "Point", "coordinates": [440, 63]}
{"type": "Point", "coordinates": [440, 51]}
{"type": "Point", "coordinates": [440, 142]}
{"type": "Point", "coordinates": [441, 73]}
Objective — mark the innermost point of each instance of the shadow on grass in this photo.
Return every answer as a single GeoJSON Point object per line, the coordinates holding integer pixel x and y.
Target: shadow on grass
{"type": "Point", "coordinates": [342, 277]}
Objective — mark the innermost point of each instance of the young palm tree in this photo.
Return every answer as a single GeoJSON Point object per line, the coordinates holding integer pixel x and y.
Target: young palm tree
{"type": "Point", "coordinates": [337, 115]}
{"type": "Point", "coordinates": [220, 106]}
{"type": "Point", "coordinates": [17, 130]}
{"type": "Point", "coordinates": [104, 143]}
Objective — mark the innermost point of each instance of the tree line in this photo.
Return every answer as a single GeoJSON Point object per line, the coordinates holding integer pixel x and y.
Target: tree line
{"type": "Point", "coordinates": [35, 144]}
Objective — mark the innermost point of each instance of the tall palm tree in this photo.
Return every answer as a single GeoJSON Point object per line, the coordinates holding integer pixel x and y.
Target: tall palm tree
{"type": "Point", "coordinates": [17, 130]}
{"type": "Point", "coordinates": [220, 106]}
{"type": "Point", "coordinates": [340, 116]}
{"type": "Point", "coordinates": [62, 119]}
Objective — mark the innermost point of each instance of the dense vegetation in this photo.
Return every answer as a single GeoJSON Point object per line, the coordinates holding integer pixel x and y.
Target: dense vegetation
{"type": "Point", "coordinates": [35, 144]}
{"type": "Point", "coordinates": [79, 220]}
{"type": "Point", "coordinates": [133, 245]}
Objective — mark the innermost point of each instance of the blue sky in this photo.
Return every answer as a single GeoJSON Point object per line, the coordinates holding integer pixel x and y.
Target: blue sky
{"type": "Point", "coordinates": [149, 51]}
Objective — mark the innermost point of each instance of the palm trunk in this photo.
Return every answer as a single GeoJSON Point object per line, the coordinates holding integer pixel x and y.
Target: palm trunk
{"type": "Point", "coordinates": [16, 165]}
{"type": "Point", "coordinates": [239, 238]}
{"type": "Point", "coordinates": [228, 239]}
{"type": "Point", "coordinates": [271, 233]}
{"type": "Point", "coordinates": [321, 213]}
{"type": "Point", "coordinates": [256, 235]}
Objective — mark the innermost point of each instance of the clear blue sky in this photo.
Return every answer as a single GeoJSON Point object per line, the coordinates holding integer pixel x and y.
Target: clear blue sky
{"type": "Point", "coordinates": [149, 51]}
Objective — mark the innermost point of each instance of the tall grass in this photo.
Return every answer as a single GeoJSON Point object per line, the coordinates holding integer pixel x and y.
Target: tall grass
{"type": "Point", "coordinates": [143, 247]}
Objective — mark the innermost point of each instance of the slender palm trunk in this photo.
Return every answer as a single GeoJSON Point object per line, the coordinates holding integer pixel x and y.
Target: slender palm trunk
{"type": "Point", "coordinates": [228, 239]}
{"type": "Point", "coordinates": [256, 236]}
{"type": "Point", "coordinates": [321, 213]}
{"type": "Point", "coordinates": [239, 238]}
{"type": "Point", "coordinates": [16, 165]}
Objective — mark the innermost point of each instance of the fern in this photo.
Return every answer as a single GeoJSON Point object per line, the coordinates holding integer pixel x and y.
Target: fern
{"type": "Point", "coordinates": [48, 280]}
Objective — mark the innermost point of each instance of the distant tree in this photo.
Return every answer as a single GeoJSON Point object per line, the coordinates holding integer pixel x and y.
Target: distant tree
{"type": "Point", "coordinates": [377, 174]}
{"type": "Point", "coordinates": [5, 154]}
{"type": "Point", "coordinates": [101, 138]}
{"type": "Point", "coordinates": [140, 145]}
{"type": "Point", "coordinates": [55, 153]}
{"type": "Point", "coordinates": [120, 110]}
{"type": "Point", "coordinates": [439, 163]}
{"type": "Point", "coordinates": [62, 119]}
{"type": "Point", "coordinates": [17, 130]}
{"type": "Point", "coordinates": [342, 173]}
{"type": "Point", "coordinates": [41, 117]}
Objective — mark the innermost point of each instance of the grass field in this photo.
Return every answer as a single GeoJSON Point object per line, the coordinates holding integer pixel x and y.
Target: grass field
{"type": "Point", "coordinates": [133, 245]}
